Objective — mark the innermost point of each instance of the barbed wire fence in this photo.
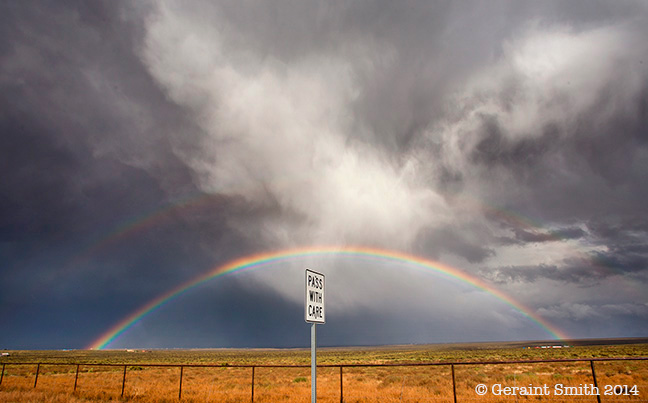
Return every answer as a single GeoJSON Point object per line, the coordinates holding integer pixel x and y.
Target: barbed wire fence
{"type": "Point", "coordinates": [618, 393]}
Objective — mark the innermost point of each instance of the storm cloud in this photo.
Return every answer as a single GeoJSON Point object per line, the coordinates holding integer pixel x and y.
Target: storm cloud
{"type": "Point", "coordinates": [144, 144]}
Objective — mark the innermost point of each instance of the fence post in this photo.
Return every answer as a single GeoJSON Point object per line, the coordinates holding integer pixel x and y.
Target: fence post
{"type": "Point", "coordinates": [252, 383]}
{"type": "Point", "coordinates": [123, 381]}
{"type": "Point", "coordinates": [454, 386]}
{"type": "Point", "coordinates": [341, 387]}
{"type": "Point", "coordinates": [2, 376]}
{"type": "Point", "coordinates": [36, 378]}
{"type": "Point", "coordinates": [76, 377]}
{"type": "Point", "coordinates": [598, 395]}
{"type": "Point", "coordinates": [180, 388]}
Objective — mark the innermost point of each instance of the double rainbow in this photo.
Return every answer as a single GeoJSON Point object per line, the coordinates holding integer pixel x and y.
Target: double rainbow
{"type": "Point", "coordinates": [272, 258]}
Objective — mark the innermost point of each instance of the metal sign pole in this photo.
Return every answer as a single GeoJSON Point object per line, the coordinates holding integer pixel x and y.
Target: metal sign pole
{"type": "Point", "coordinates": [313, 364]}
{"type": "Point", "coordinates": [314, 313]}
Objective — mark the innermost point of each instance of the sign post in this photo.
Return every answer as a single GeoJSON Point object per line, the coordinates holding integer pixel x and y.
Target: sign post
{"type": "Point", "coordinates": [314, 314]}
{"type": "Point", "coordinates": [313, 363]}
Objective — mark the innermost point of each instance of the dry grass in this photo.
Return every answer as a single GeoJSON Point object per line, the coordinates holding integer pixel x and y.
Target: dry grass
{"type": "Point", "coordinates": [364, 384]}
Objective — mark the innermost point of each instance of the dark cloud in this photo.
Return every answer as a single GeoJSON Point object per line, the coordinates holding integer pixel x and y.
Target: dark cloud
{"type": "Point", "coordinates": [523, 236]}
{"type": "Point", "coordinates": [436, 243]}
{"type": "Point", "coordinates": [585, 275]}
{"type": "Point", "coordinates": [86, 149]}
{"type": "Point", "coordinates": [585, 270]}
{"type": "Point", "coordinates": [497, 149]}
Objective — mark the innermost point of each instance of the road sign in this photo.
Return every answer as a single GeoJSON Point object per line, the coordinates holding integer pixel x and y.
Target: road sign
{"type": "Point", "coordinates": [314, 313]}
{"type": "Point", "coordinates": [314, 302]}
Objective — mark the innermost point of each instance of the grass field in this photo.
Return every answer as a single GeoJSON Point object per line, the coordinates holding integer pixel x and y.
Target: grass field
{"type": "Point", "coordinates": [225, 383]}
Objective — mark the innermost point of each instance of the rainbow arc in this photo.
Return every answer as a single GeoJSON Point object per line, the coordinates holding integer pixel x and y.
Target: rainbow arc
{"type": "Point", "coordinates": [269, 259]}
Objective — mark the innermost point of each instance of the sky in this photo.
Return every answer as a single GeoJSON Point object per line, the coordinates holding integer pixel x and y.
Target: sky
{"type": "Point", "coordinates": [144, 144]}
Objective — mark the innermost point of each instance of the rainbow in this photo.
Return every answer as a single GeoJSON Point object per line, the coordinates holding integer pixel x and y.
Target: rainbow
{"type": "Point", "coordinates": [270, 258]}
{"type": "Point", "coordinates": [134, 225]}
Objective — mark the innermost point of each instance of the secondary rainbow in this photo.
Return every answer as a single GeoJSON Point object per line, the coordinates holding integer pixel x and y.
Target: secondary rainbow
{"type": "Point", "coordinates": [270, 258]}
{"type": "Point", "coordinates": [197, 201]}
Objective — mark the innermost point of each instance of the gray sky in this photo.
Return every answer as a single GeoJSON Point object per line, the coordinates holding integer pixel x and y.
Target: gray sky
{"type": "Point", "coordinates": [143, 144]}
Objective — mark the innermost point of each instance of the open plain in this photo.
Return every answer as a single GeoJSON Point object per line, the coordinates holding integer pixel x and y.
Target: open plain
{"type": "Point", "coordinates": [154, 375]}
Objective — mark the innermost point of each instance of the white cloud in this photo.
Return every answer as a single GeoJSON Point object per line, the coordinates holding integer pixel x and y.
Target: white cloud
{"type": "Point", "coordinates": [285, 132]}
{"type": "Point", "coordinates": [545, 75]}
